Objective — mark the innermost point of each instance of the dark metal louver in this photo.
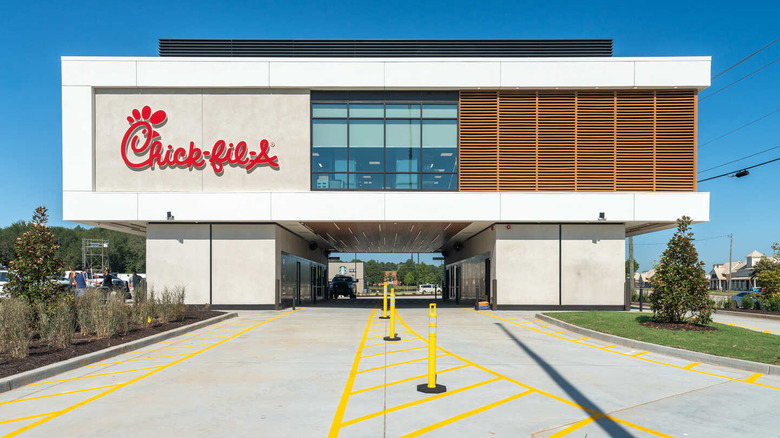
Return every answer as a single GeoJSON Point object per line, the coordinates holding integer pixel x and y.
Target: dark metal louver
{"type": "Point", "coordinates": [386, 48]}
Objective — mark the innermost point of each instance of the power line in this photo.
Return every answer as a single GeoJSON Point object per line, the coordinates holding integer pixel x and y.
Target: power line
{"type": "Point", "coordinates": [739, 159]}
{"type": "Point", "coordinates": [698, 240]}
{"type": "Point", "coordinates": [745, 59]}
{"type": "Point", "coordinates": [743, 126]}
{"type": "Point", "coordinates": [733, 172]}
{"type": "Point", "coordinates": [739, 80]}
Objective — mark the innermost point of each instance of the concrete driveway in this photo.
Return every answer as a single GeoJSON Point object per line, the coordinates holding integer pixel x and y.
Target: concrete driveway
{"type": "Point", "coordinates": [327, 372]}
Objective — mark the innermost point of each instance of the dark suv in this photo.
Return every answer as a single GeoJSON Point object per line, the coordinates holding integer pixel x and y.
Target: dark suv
{"type": "Point", "coordinates": [343, 286]}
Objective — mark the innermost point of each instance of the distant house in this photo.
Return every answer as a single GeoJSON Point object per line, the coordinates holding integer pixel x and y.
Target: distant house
{"type": "Point", "coordinates": [642, 279]}
{"type": "Point", "coordinates": [392, 278]}
{"type": "Point", "coordinates": [741, 273]}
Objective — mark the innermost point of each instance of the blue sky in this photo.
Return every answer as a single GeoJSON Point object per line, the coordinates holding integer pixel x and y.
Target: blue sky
{"type": "Point", "coordinates": [36, 34]}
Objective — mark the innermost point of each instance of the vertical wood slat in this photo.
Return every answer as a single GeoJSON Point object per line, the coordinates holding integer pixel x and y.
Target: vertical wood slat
{"type": "Point", "coordinates": [577, 140]}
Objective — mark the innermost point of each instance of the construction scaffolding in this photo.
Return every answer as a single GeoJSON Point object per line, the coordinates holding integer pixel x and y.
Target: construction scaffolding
{"type": "Point", "coordinates": [94, 254]}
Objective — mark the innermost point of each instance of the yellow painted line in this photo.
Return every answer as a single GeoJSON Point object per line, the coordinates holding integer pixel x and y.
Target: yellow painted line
{"type": "Point", "coordinates": [691, 365]}
{"type": "Point", "coordinates": [418, 402]}
{"type": "Point", "coordinates": [221, 331]}
{"type": "Point", "coordinates": [638, 357]}
{"type": "Point", "coordinates": [398, 364]}
{"type": "Point", "coordinates": [396, 342]}
{"type": "Point", "coordinates": [28, 418]}
{"type": "Point", "coordinates": [167, 348]}
{"type": "Point", "coordinates": [392, 352]}
{"type": "Point", "coordinates": [382, 336]}
{"type": "Point", "coordinates": [53, 415]}
{"type": "Point", "coordinates": [558, 333]}
{"type": "Point", "coordinates": [580, 339]}
{"type": "Point", "coordinates": [577, 425]}
{"type": "Point", "coordinates": [546, 394]}
{"type": "Point", "coordinates": [753, 328]}
{"type": "Point", "coordinates": [335, 427]}
{"type": "Point", "coordinates": [639, 354]}
{"type": "Point", "coordinates": [193, 339]}
{"type": "Point", "coordinates": [92, 375]}
{"type": "Point", "coordinates": [134, 360]}
{"type": "Point", "coordinates": [55, 395]}
{"type": "Point", "coordinates": [754, 377]}
{"type": "Point", "coordinates": [543, 326]}
{"type": "Point", "coordinates": [408, 380]}
{"type": "Point", "coordinates": [470, 413]}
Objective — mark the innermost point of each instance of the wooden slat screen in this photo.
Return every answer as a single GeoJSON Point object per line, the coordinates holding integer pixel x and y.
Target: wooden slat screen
{"type": "Point", "coordinates": [577, 140]}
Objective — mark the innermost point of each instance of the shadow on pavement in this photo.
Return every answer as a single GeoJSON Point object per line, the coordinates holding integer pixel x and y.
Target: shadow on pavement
{"type": "Point", "coordinates": [376, 302]}
{"type": "Point", "coordinates": [610, 427]}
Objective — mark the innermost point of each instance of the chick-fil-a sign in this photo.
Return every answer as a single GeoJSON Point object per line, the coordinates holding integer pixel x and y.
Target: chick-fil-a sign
{"type": "Point", "coordinates": [145, 143]}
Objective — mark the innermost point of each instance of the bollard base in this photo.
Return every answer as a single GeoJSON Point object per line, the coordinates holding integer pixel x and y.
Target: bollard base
{"type": "Point", "coordinates": [393, 339]}
{"type": "Point", "coordinates": [384, 317]}
{"type": "Point", "coordinates": [437, 390]}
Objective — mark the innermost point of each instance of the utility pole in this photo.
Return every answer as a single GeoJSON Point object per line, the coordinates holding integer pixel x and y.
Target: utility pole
{"type": "Point", "coordinates": [631, 265]}
{"type": "Point", "coordinates": [731, 245]}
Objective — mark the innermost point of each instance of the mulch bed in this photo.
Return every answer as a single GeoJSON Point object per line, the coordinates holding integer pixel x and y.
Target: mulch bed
{"type": "Point", "coordinates": [687, 327]}
{"type": "Point", "coordinates": [42, 354]}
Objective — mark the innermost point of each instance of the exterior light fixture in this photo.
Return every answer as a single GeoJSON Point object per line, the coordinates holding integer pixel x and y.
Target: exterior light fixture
{"type": "Point", "coordinates": [170, 216]}
{"type": "Point", "coordinates": [602, 216]}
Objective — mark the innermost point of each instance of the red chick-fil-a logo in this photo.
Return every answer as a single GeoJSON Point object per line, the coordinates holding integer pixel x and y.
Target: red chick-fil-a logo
{"type": "Point", "coordinates": [148, 151]}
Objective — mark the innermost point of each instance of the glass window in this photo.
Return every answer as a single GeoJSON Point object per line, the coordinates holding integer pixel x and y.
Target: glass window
{"type": "Point", "coordinates": [440, 133]}
{"type": "Point", "coordinates": [366, 146]}
{"type": "Point", "coordinates": [329, 133]}
{"type": "Point", "coordinates": [367, 181]}
{"type": "Point", "coordinates": [403, 111]}
{"type": "Point", "coordinates": [329, 159]}
{"type": "Point", "coordinates": [329, 181]}
{"type": "Point", "coordinates": [440, 182]}
{"type": "Point", "coordinates": [366, 110]}
{"type": "Point", "coordinates": [329, 110]}
{"type": "Point", "coordinates": [431, 111]}
{"type": "Point", "coordinates": [402, 181]}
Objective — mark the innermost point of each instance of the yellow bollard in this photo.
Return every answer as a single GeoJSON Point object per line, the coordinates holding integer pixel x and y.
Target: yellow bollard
{"type": "Point", "coordinates": [394, 336]}
{"type": "Point", "coordinates": [431, 387]}
{"type": "Point", "coordinates": [384, 304]}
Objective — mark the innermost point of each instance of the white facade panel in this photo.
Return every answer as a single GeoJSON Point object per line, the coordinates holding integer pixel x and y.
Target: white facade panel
{"type": "Point", "coordinates": [90, 206]}
{"type": "Point", "coordinates": [527, 265]}
{"type": "Point", "coordinates": [592, 264]}
{"type": "Point", "coordinates": [178, 256]}
{"type": "Point", "coordinates": [239, 252]}
{"type": "Point", "coordinates": [77, 140]}
{"type": "Point", "coordinates": [432, 206]}
{"type": "Point", "coordinates": [328, 206]}
{"type": "Point", "coordinates": [324, 74]}
{"type": "Point", "coordinates": [453, 74]}
{"type": "Point", "coordinates": [566, 207]}
{"type": "Point", "coordinates": [97, 72]}
{"type": "Point", "coordinates": [204, 207]}
{"type": "Point", "coordinates": [205, 73]}
{"type": "Point", "coordinates": [672, 74]}
{"type": "Point", "coordinates": [572, 74]}
{"type": "Point", "coordinates": [668, 207]}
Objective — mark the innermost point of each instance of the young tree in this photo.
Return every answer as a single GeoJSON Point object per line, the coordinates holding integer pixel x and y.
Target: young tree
{"type": "Point", "coordinates": [679, 283]}
{"type": "Point", "coordinates": [32, 273]}
{"type": "Point", "coordinates": [374, 275]}
{"type": "Point", "coordinates": [767, 272]}
{"type": "Point", "coordinates": [628, 265]}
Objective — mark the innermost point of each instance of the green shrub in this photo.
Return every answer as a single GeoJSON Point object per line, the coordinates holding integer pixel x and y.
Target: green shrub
{"type": "Point", "coordinates": [57, 321]}
{"type": "Point", "coordinates": [748, 302]}
{"type": "Point", "coordinates": [729, 303]}
{"type": "Point", "coordinates": [87, 310]}
{"type": "Point", "coordinates": [771, 303]}
{"type": "Point", "coordinates": [113, 318]}
{"type": "Point", "coordinates": [144, 310]}
{"type": "Point", "coordinates": [15, 327]}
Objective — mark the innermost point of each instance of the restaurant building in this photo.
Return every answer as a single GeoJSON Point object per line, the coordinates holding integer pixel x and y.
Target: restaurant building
{"type": "Point", "coordinates": [246, 163]}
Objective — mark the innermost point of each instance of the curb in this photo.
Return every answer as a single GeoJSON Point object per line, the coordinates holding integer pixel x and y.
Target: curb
{"type": "Point", "coordinates": [693, 356]}
{"type": "Point", "coordinates": [748, 314]}
{"type": "Point", "coordinates": [27, 377]}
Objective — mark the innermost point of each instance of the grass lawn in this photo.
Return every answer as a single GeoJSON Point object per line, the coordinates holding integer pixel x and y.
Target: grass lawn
{"type": "Point", "coordinates": [725, 341]}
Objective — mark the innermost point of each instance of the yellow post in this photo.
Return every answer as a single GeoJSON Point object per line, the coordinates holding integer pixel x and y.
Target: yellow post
{"type": "Point", "coordinates": [431, 387]}
{"type": "Point", "coordinates": [393, 335]}
{"type": "Point", "coordinates": [384, 304]}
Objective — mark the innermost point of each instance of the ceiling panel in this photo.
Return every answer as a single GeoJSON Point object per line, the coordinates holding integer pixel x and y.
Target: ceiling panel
{"type": "Point", "coordinates": [386, 236]}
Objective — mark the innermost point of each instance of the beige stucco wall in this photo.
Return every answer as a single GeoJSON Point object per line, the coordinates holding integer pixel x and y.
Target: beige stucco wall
{"type": "Point", "coordinates": [243, 264]}
{"type": "Point", "coordinates": [593, 264]}
{"type": "Point", "coordinates": [526, 264]}
{"type": "Point", "coordinates": [292, 244]}
{"type": "Point", "coordinates": [178, 255]}
{"type": "Point", "coordinates": [204, 117]}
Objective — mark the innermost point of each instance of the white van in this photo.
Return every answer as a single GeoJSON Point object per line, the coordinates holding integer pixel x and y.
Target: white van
{"type": "Point", "coordinates": [428, 289]}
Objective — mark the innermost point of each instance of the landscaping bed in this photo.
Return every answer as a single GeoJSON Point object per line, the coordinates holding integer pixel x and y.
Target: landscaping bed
{"type": "Point", "coordinates": [722, 340]}
{"type": "Point", "coordinates": [42, 354]}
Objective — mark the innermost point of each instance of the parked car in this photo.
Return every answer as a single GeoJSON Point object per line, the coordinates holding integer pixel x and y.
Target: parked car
{"type": "Point", "coordinates": [428, 289]}
{"type": "Point", "coordinates": [3, 281]}
{"type": "Point", "coordinates": [738, 297]}
{"type": "Point", "coordinates": [343, 286]}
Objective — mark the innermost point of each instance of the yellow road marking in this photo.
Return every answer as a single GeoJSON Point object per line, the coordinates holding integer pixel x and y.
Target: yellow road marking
{"type": "Point", "coordinates": [134, 360]}
{"type": "Point", "coordinates": [752, 328]}
{"type": "Point", "coordinates": [397, 342]}
{"type": "Point", "coordinates": [382, 336]}
{"type": "Point", "coordinates": [418, 402]}
{"type": "Point", "coordinates": [636, 357]}
{"type": "Point", "coordinates": [546, 394]}
{"type": "Point", "coordinates": [92, 375]}
{"type": "Point", "coordinates": [543, 326]}
{"type": "Point", "coordinates": [580, 339]}
{"type": "Point", "coordinates": [754, 377]}
{"type": "Point", "coordinates": [335, 427]}
{"type": "Point", "coordinates": [577, 425]}
{"type": "Point", "coordinates": [222, 331]}
{"type": "Point", "coordinates": [56, 414]}
{"type": "Point", "coordinates": [55, 395]}
{"type": "Point", "coordinates": [691, 365]}
{"type": "Point", "coordinates": [558, 333]}
{"type": "Point", "coordinates": [28, 418]}
{"type": "Point", "coordinates": [639, 354]}
{"type": "Point", "coordinates": [166, 348]}
{"type": "Point", "coordinates": [193, 339]}
{"type": "Point", "coordinates": [459, 417]}
{"type": "Point", "coordinates": [392, 352]}
{"type": "Point", "coordinates": [398, 364]}
{"type": "Point", "coordinates": [408, 380]}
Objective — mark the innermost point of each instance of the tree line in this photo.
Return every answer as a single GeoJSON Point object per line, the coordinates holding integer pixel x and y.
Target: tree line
{"type": "Point", "coordinates": [127, 252]}
{"type": "Point", "coordinates": [408, 273]}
